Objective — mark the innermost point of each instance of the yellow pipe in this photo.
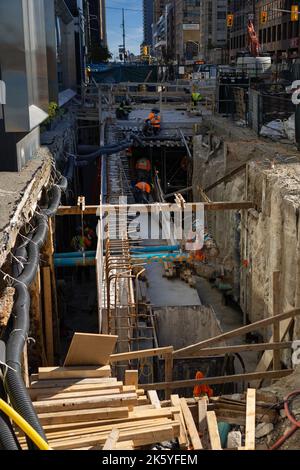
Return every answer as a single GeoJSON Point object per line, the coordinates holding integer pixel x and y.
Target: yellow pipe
{"type": "Point", "coordinates": [26, 427]}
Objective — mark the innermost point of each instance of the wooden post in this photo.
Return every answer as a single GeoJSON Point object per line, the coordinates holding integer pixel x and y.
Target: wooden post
{"type": "Point", "coordinates": [168, 373]}
{"type": "Point", "coordinates": [25, 366]}
{"type": "Point", "coordinates": [250, 419]}
{"type": "Point", "coordinates": [276, 325]}
{"type": "Point", "coordinates": [36, 315]}
{"type": "Point", "coordinates": [48, 315]}
{"type": "Point", "coordinates": [48, 258]}
{"type": "Point", "coordinates": [132, 377]}
{"type": "Point", "coordinates": [213, 431]}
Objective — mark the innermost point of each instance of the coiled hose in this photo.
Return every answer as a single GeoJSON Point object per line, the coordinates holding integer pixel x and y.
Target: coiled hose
{"type": "Point", "coordinates": [14, 383]}
{"type": "Point", "coordinates": [291, 417]}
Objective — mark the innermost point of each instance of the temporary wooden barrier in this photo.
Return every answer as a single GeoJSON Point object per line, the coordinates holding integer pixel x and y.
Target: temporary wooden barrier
{"type": "Point", "coordinates": [208, 206]}
{"type": "Point", "coordinates": [218, 380]}
{"type": "Point", "coordinates": [195, 348]}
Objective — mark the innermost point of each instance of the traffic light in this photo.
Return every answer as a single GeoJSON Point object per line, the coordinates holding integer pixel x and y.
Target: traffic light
{"type": "Point", "coordinates": [263, 17]}
{"type": "Point", "coordinates": [146, 51]}
{"type": "Point", "coordinates": [230, 21]}
{"type": "Point", "coordinates": [294, 13]}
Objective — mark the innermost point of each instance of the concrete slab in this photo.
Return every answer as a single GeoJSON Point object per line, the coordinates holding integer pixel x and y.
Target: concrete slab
{"type": "Point", "coordinates": [19, 194]}
{"type": "Point", "coordinates": [163, 292]}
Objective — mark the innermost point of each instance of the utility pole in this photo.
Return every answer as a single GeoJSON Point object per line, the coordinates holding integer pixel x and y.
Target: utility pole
{"type": "Point", "coordinates": [124, 35]}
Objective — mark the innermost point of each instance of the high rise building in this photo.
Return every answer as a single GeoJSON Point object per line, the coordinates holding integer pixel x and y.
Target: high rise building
{"type": "Point", "coordinates": [163, 34]}
{"type": "Point", "coordinates": [243, 10]}
{"type": "Point", "coordinates": [187, 30]}
{"type": "Point", "coordinates": [213, 31]}
{"type": "Point", "coordinates": [278, 36]}
{"type": "Point", "coordinates": [148, 10]}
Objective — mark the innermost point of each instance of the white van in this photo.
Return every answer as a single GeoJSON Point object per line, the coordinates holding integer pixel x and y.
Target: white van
{"type": "Point", "coordinates": [254, 65]}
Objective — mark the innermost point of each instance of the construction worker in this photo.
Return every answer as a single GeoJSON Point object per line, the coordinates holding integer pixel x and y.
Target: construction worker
{"type": "Point", "coordinates": [155, 123]}
{"type": "Point", "coordinates": [127, 107]}
{"type": "Point", "coordinates": [142, 192]}
{"type": "Point", "coordinates": [88, 74]}
{"type": "Point", "coordinates": [143, 170]}
{"type": "Point", "coordinates": [196, 98]}
{"type": "Point", "coordinates": [203, 389]}
{"type": "Point", "coordinates": [121, 112]}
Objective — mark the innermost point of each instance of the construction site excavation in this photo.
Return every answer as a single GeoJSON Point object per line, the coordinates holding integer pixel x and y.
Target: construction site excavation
{"type": "Point", "coordinates": [149, 230]}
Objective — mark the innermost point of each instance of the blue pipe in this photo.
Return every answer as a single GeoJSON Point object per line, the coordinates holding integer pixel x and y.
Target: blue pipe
{"type": "Point", "coordinates": [76, 254]}
{"type": "Point", "coordinates": [151, 249]}
{"type": "Point", "coordinates": [73, 262]}
{"type": "Point", "coordinates": [160, 255]}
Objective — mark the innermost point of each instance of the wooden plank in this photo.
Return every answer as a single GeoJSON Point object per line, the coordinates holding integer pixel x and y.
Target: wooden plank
{"type": "Point", "coordinates": [58, 383]}
{"type": "Point", "coordinates": [106, 429]}
{"type": "Point", "coordinates": [123, 399]}
{"type": "Point", "coordinates": [213, 431]}
{"type": "Point", "coordinates": [219, 380]}
{"type": "Point", "coordinates": [190, 425]}
{"type": "Point", "coordinates": [209, 206]}
{"type": "Point", "coordinates": [83, 418]}
{"type": "Point", "coordinates": [219, 350]}
{"type": "Point", "coordinates": [47, 295]}
{"type": "Point", "coordinates": [126, 445]}
{"type": "Point", "coordinates": [182, 438]}
{"type": "Point", "coordinates": [194, 348]}
{"type": "Point", "coordinates": [96, 414]}
{"type": "Point", "coordinates": [140, 438]}
{"type": "Point", "coordinates": [90, 349]}
{"type": "Point", "coordinates": [83, 394]}
{"type": "Point", "coordinates": [129, 356]}
{"type": "Point", "coordinates": [250, 419]}
{"type": "Point", "coordinates": [36, 315]}
{"type": "Point", "coordinates": [42, 392]}
{"type": "Point", "coordinates": [132, 377]}
{"type": "Point", "coordinates": [267, 358]}
{"type": "Point", "coordinates": [276, 325]}
{"type": "Point", "coordinates": [168, 373]}
{"type": "Point", "coordinates": [111, 441]}
{"type": "Point", "coordinates": [73, 372]}
{"type": "Point", "coordinates": [202, 410]}
{"type": "Point", "coordinates": [154, 400]}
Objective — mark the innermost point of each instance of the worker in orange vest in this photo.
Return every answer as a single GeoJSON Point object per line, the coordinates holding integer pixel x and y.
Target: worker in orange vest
{"type": "Point", "coordinates": [155, 123]}
{"type": "Point", "coordinates": [142, 192]}
{"type": "Point", "coordinates": [203, 389]}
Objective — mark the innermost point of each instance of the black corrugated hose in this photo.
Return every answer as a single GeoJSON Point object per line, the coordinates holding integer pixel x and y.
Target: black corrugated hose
{"type": "Point", "coordinates": [14, 383]}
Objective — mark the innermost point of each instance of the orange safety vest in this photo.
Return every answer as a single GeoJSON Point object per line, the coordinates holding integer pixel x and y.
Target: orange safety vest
{"type": "Point", "coordinates": [151, 116]}
{"type": "Point", "coordinates": [145, 187]}
{"type": "Point", "coordinates": [200, 390]}
{"type": "Point", "coordinates": [156, 121]}
{"type": "Point", "coordinates": [143, 164]}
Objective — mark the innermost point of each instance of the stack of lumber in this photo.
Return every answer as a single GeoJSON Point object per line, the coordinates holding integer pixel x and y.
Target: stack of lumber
{"type": "Point", "coordinates": [86, 408]}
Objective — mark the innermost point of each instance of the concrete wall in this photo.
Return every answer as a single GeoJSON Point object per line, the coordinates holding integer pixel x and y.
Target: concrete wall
{"type": "Point", "coordinates": [193, 323]}
{"type": "Point", "coordinates": [269, 234]}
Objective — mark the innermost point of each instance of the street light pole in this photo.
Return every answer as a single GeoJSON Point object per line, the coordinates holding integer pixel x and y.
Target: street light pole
{"type": "Point", "coordinates": [124, 35]}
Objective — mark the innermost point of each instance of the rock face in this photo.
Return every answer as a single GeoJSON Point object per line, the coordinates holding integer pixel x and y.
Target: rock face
{"type": "Point", "coordinates": [263, 429]}
{"type": "Point", "coordinates": [255, 243]}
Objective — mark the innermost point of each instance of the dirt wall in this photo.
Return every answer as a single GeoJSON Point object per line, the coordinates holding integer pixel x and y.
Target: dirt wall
{"type": "Point", "coordinates": [255, 243]}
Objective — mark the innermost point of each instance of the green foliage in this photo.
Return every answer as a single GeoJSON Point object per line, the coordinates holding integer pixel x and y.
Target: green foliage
{"type": "Point", "coordinates": [99, 53]}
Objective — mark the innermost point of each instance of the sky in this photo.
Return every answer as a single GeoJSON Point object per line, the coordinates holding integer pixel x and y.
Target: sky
{"type": "Point", "coordinates": [133, 25]}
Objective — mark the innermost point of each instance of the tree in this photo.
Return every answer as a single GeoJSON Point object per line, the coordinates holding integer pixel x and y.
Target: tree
{"type": "Point", "coordinates": [99, 53]}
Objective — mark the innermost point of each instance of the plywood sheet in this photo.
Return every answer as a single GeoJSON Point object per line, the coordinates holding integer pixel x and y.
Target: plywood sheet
{"type": "Point", "coordinates": [90, 350]}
